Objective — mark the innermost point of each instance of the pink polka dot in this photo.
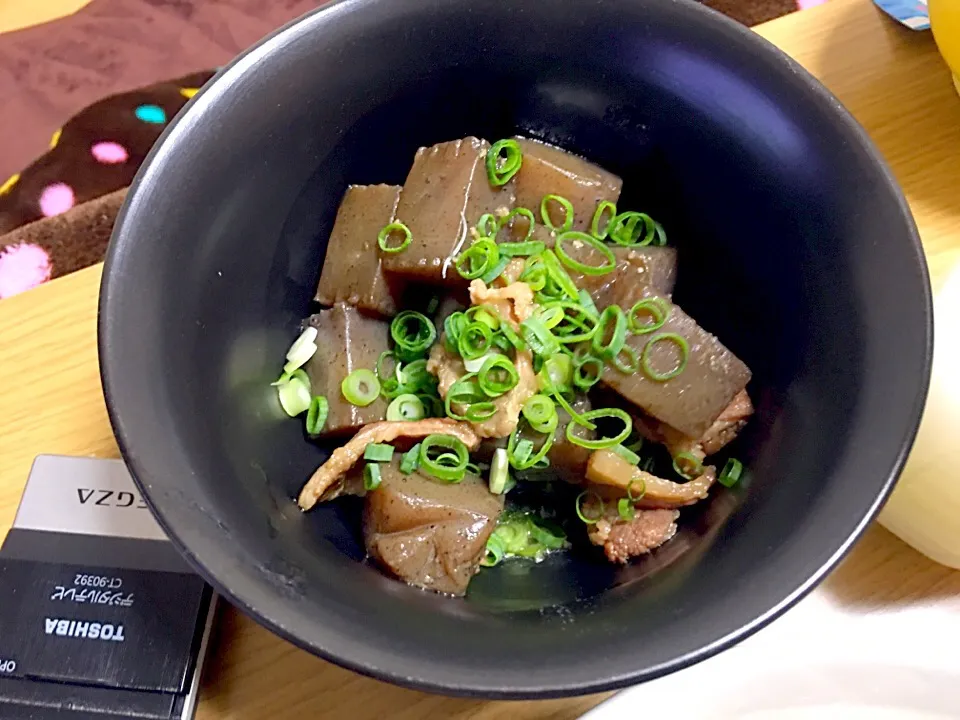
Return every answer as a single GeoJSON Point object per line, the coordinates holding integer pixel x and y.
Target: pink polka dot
{"type": "Point", "coordinates": [109, 153]}
{"type": "Point", "coordinates": [22, 266]}
{"type": "Point", "coordinates": [56, 199]}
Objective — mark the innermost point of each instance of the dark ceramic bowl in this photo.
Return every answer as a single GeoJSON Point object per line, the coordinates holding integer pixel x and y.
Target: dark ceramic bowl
{"type": "Point", "coordinates": [796, 248]}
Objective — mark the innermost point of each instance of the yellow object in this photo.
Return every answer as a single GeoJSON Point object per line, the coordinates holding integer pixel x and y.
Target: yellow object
{"type": "Point", "coordinates": [945, 23]}
{"type": "Point", "coordinates": [56, 138]}
{"type": "Point", "coordinates": [8, 185]}
{"type": "Point", "coordinates": [924, 509]}
{"type": "Point", "coordinates": [189, 92]}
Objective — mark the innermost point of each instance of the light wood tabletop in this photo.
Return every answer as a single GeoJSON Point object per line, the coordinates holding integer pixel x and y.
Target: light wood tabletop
{"type": "Point", "coordinates": [890, 78]}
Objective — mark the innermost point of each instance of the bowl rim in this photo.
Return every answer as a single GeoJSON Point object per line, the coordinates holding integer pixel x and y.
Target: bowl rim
{"type": "Point", "coordinates": [393, 672]}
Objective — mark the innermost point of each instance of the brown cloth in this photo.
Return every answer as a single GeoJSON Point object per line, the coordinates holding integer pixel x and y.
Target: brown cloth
{"type": "Point", "coordinates": [50, 72]}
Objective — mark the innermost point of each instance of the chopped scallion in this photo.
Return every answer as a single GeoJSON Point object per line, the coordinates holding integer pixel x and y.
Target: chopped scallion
{"type": "Point", "coordinates": [605, 442]}
{"type": "Point", "coordinates": [681, 344]}
{"type": "Point", "coordinates": [730, 475]}
{"type": "Point", "coordinates": [410, 460]}
{"type": "Point", "coordinates": [575, 236]}
{"type": "Point", "coordinates": [378, 452]}
{"type": "Point", "coordinates": [499, 471]}
{"type": "Point", "coordinates": [371, 476]}
{"type": "Point", "coordinates": [317, 415]}
{"type": "Point", "coordinates": [360, 387]}
{"type": "Point", "coordinates": [383, 239]}
{"type": "Point", "coordinates": [504, 159]}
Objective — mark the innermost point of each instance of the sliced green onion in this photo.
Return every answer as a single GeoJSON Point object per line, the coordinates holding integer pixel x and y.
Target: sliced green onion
{"type": "Point", "coordinates": [410, 460]}
{"type": "Point", "coordinates": [606, 442]}
{"type": "Point", "coordinates": [302, 349]}
{"type": "Point", "coordinates": [647, 466]}
{"type": "Point", "coordinates": [494, 554]}
{"type": "Point", "coordinates": [731, 472]}
{"type": "Point", "coordinates": [612, 323]}
{"type": "Point", "coordinates": [371, 476]}
{"type": "Point", "coordinates": [478, 259]}
{"type": "Point", "coordinates": [578, 418]}
{"type": "Point", "coordinates": [626, 510]}
{"type": "Point", "coordinates": [576, 324]}
{"type": "Point", "coordinates": [658, 310]}
{"type": "Point", "coordinates": [384, 237]}
{"type": "Point", "coordinates": [294, 394]}
{"type": "Point", "coordinates": [550, 315]}
{"type": "Point", "coordinates": [503, 161]}
{"type": "Point", "coordinates": [629, 365]}
{"type": "Point", "coordinates": [389, 385]}
{"type": "Point", "coordinates": [643, 489]}
{"type": "Point", "coordinates": [378, 452]}
{"type": "Point", "coordinates": [629, 455]}
{"type": "Point", "coordinates": [413, 333]}
{"type": "Point", "coordinates": [624, 229]}
{"type": "Point", "coordinates": [677, 340]}
{"type": "Point", "coordinates": [576, 236]}
{"type": "Point", "coordinates": [499, 471]}
{"type": "Point", "coordinates": [521, 249]}
{"type": "Point", "coordinates": [520, 451]}
{"type": "Point", "coordinates": [586, 372]}
{"type": "Point", "coordinates": [567, 209]}
{"type": "Point", "coordinates": [541, 412]}
{"type": "Point", "coordinates": [360, 387]}
{"type": "Point", "coordinates": [695, 465]}
{"type": "Point", "coordinates": [317, 414]}
{"type": "Point", "coordinates": [661, 238]}
{"type": "Point", "coordinates": [438, 464]}
{"type": "Point", "coordinates": [510, 219]}
{"type": "Point", "coordinates": [475, 340]}
{"type": "Point", "coordinates": [486, 314]}
{"type": "Point", "coordinates": [579, 506]}
{"type": "Point", "coordinates": [487, 226]}
{"type": "Point", "coordinates": [474, 364]}
{"type": "Point", "coordinates": [557, 273]}
{"type": "Point", "coordinates": [465, 391]}
{"type": "Point", "coordinates": [534, 272]}
{"type": "Point", "coordinates": [496, 271]}
{"type": "Point", "coordinates": [453, 325]}
{"type": "Point", "coordinates": [497, 376]}
{"type": "Point", "coordinates": [556, 373]}
{"type": "Point", "coordinates": [603, 207]}
{"type": "Point", "coordinates": [538, 337]}
{"type": "Point", "coordinates": [586, 301]}
{"type": "Point", "coordinates": [510, 334]}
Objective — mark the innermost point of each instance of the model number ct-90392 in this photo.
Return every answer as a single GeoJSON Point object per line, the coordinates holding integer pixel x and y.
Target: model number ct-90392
{"type": "Point", "coordinates": [97, 581]}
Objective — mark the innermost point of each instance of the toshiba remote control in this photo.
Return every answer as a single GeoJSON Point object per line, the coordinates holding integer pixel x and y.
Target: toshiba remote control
{"type": "Point", "coordinates": [99, 614]}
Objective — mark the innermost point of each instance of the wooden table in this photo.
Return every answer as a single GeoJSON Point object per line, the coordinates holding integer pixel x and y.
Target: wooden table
{"type": "Point", "coordinates": [50, 398]}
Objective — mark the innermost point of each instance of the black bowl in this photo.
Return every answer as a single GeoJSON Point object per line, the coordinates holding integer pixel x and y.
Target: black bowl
{"type": "Point", "coordinates": [796, 248]}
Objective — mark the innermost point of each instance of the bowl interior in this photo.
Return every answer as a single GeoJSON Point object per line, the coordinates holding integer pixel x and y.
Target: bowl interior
{"type": "Point", "coordinates": [796, 249]}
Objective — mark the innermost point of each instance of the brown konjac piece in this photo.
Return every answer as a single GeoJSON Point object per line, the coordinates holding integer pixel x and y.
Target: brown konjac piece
{"type": "Point", "coordinates": [351, 269]}
{"type": "Point", "coordinates": [653, 266]}
{"type": "Point", "coordinates": [346, 341]}
{"type": "Point", "coordinates": [691, 401]}
{"type": "Point", "coordinates": [548, 170]}
{"type": "Point", "coordinates": [444, 196]}
{"type": "Point", "coordinates": [428, 533]}
{"type": "Point", "coordinates": [723, 431]}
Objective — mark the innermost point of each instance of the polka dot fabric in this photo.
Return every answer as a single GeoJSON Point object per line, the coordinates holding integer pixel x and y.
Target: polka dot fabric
{"type": "Point", "coordinates": [96, 152]}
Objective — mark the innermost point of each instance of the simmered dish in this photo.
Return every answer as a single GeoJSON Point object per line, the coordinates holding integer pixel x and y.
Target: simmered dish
{"type": "Point", "coordinates": [501, 358]}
